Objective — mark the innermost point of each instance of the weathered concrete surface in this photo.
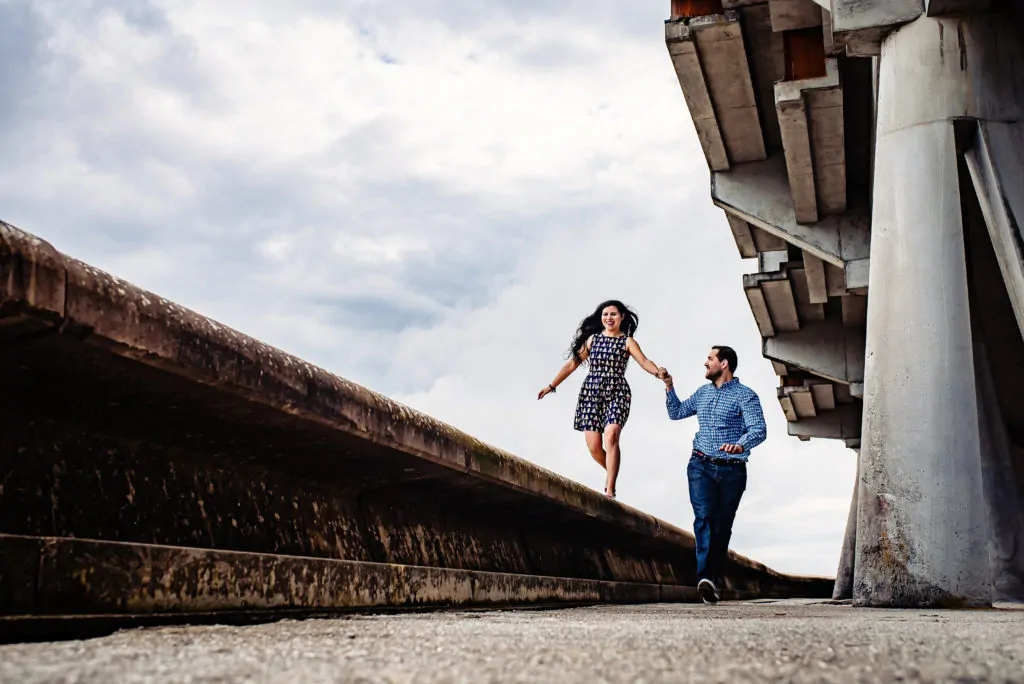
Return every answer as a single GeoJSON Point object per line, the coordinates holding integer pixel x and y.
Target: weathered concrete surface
{"type": "Point", "coordinates": [750, 642]}
{"type": "Point", "coordinates": [145, 450]}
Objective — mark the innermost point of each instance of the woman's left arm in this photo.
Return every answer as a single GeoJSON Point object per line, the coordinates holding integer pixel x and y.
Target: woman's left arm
{"type": "Point", "coordinates": [645, 363]}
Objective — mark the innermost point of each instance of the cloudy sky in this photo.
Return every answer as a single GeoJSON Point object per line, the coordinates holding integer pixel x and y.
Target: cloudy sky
{"type": "Point", "coordinates": [423, 197]}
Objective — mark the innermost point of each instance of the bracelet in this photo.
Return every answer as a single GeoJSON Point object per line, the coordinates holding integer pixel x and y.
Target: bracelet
{"type": "Point", "coordinates": [552, 388]}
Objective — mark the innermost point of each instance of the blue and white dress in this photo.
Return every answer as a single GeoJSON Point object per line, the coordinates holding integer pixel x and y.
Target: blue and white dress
{"type": "Point", "coordinates": [605, 396]}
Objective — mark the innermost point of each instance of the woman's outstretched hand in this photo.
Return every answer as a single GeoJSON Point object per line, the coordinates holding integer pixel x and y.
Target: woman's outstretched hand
{"type": "Point", "coordinates": [544, 392]}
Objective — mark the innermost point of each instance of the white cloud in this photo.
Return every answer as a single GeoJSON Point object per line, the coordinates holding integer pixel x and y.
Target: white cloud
{"type": "Point", "coordinates": [423, 198]}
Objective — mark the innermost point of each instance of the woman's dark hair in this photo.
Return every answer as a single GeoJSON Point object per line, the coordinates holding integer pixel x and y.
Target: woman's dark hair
{"type": "Point", "coordinates": [592, 324]}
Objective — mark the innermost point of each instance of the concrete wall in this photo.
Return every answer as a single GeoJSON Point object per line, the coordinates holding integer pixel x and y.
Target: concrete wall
{"type": "Point", "coordinates": [155, 462]}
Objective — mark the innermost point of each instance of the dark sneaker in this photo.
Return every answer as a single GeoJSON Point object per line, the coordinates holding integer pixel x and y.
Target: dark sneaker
{"type": "Point", "coordinates": [707, 590]}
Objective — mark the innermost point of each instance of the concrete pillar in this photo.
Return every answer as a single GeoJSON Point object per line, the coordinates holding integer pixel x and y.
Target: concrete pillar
{"type": "Point", "coordinates": [1004, 503]}
{"type": "Point", "coordinates": [844, 575]}
{"type": "Point", "coordinates": [921, 527]}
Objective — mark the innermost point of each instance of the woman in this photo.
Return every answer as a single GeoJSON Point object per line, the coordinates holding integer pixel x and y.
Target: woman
{"type": "Point", "coordinates": [605, 341]}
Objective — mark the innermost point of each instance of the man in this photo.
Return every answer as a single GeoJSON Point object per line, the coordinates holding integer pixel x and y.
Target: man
{"type": "Point", "coordinates": [731, 424]}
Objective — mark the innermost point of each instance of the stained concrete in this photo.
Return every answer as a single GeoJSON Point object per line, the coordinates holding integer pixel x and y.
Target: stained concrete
{"type": "Point", "coordinates": [749, 642]}
{"type": "Point", "coordinates": [155, 461]}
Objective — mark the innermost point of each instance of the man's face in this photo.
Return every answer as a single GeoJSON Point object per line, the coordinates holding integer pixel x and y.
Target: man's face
{"type": "Point", "coordinates": [713, 367]}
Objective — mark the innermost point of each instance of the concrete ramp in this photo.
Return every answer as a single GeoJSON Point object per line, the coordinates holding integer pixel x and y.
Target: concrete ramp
{"type": "Point", "coordinates": [155, 465]}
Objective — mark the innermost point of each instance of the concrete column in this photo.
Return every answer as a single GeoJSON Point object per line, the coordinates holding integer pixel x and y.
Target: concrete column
{"type": "Point", "coordinates": [921, 527]}
{"type": "Point", "coordinates": [844, 575]}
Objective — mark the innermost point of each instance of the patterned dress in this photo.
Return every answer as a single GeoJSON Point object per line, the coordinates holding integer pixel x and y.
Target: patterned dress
{"type": "Point", "coordinates": [605, 396]}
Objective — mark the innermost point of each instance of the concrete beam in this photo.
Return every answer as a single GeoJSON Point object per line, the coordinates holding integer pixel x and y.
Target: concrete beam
{"type": "Point", "coordinates": [832, 48]}
{"type": "Point", "coordinates": [767, 52]}
{"type": "Point", "coordinates": [759, 194]}
{"type": "Point", "coordinates": [997, 172]}
{"type": "Point", "coordinates": [796, 142]}
{"type": "Point", "coordinates": [750, 240]}
{"type": "Point", "coordinates": [811, 119]}
{"type": "Point", "coordinates": [803, 401]}
{"type": "Point", "coordinates": [856, 276]}
{"type": "Point", "coordinates": [686, 61]}
{"type": "Point", "coordinates": [710, 59]}
{"type": "Point", "coordinates": [775, 309]}
{"type": "Point", "coordinates": [766, 242]}
{"type": "Point", "coordinates": [778, 295]}
{"type": "Point", "coordinates": [835, 277]}
{"type": "Point", "coordinates": [824, 348]}
{"type": "Point", "coordinates": [741, 234]}
{"type": "Point", "coordinates": [790, 15]}
{"type": "Point", "coordinates": [817, 286]}
{"type": "Point", "coordinates": [759, 308]}
{"type": "Point", "coordinates": [860, 25]}
{"type": "Point", "coordinates": [788, 410]}
{"type": "Point", "coordinates": [808, 310]}
{"type": "Point", "coordinates": [824, 395]}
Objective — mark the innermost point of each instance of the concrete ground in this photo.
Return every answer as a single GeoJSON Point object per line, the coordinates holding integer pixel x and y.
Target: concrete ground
{"type": "Point", "coordinates": [793, 641]}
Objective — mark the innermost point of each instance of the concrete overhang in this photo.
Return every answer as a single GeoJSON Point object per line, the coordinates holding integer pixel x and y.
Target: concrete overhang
{"type": "Point", "coordinates": [826, 348]}
{"type": "Point", "coordinates": [861, 25]}
{"type": "Point", "coordinates": [810, 113]}
{"type": "Point", "coordinates": [758, 193]}
{"type": "Point", "coordinates": [710, 59]}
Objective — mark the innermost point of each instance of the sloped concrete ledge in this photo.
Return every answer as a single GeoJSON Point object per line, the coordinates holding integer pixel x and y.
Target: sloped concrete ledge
{"type": "Point", "coordinates": [198, 580]}
{"type": "Point", "coordinates": [183, 434]}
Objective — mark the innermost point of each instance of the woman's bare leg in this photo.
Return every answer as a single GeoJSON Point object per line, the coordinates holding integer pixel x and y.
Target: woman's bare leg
{"type": "Point", "coordinates": [594, 445]}
{"type": "Point", "coordinates": [611, 446]}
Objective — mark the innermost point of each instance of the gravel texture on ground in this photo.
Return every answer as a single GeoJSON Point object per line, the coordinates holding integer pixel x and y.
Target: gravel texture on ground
{"type": "Point", "coordinates": [794, 641]}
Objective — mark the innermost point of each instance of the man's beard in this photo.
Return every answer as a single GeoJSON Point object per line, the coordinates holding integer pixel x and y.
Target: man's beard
{"type": "Point", "coordinates": [713, 375]}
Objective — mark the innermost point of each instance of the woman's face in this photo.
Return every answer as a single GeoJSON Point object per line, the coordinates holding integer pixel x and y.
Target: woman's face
{"type": "Point", "coordinates": [611, 318]}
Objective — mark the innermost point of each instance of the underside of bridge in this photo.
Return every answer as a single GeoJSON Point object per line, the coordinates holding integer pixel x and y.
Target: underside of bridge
{"type": "Point", "coordinates": [869, 154]}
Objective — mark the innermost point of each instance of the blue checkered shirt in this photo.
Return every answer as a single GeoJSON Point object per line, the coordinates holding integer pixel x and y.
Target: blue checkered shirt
{"type": "Point", "coordinates": [730, 414]}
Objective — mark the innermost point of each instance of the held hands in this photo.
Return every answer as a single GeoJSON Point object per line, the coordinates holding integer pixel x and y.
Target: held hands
{"type": "Point", "coordinates": [664, 376]}
{"type": "Point", "coordinates": [731, 448]}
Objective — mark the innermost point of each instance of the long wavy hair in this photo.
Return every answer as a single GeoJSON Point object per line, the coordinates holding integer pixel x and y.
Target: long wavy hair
{"type": "Point", "coordinates": [592, 324]}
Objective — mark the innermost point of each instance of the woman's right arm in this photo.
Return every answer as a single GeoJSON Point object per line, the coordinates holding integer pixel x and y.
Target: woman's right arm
{"type": "Point", "coordinates": [566, 370]}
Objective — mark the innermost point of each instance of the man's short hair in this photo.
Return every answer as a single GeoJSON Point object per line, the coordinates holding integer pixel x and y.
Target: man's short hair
{"type": "Point", "coordinates": [727, 354]}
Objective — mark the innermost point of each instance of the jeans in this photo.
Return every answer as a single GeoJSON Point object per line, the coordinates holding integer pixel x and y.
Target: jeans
{"type": "Point", "coordinates": [715, 493]}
